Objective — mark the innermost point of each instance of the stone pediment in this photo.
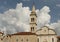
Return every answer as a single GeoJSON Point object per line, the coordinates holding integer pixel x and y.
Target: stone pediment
{"type": "Point", "coordinates": [45, 31]}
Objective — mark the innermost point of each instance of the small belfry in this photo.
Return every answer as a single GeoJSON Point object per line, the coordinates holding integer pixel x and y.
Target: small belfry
{"type": "Point", "coordinates": [33, 20]}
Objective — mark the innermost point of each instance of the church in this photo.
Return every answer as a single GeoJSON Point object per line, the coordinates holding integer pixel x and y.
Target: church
{"type": "Point", "coordinates": [45, 34]}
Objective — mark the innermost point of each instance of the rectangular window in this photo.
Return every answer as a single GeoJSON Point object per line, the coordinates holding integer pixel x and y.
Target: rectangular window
{"type": "Point", "coordinates": [27, 40]}
{"type": "Point", "coordinates": [52, 39]}
{"type": "Point", "coordinates": [37, 39]}
{"type": "Point", "coordinates": [32, 19]}
{"type": "Point", "coordinates": [16, 40]}
{"type": "Point", "coordinates": [21, 40]}
{"type": "Point", "coordinates": [32, 28]}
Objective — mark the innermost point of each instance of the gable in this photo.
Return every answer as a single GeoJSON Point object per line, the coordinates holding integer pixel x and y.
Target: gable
{"type": "Point", "coordinates": [51, 31]}
{"type": "Point", "coordinates": [45, 30]}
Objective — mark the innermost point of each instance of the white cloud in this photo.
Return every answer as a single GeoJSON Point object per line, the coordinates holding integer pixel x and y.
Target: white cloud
{"type": "Point", "coordinates": [56, 26]}
{"type": "Point", "coordinates": [58, 5]}
{"type": "Point", "coordinates": [26, 0]}
{"type": "Point", "coordinates": [15, 20]}
{"type": "Point", "coordinates": [43, 16]}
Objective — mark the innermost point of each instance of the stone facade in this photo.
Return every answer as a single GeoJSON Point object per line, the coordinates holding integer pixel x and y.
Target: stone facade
{"type": "Point", "coordinates": [46, 34]}
{"type": "Point", "coordinates": [21, 37]}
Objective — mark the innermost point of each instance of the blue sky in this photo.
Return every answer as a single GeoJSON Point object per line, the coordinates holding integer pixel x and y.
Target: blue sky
{"type": "Point", "coordinates": [53, 4]}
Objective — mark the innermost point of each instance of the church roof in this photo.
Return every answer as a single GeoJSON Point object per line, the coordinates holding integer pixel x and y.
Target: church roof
{"type": "Point", "coordinates": [58, 36]}
{"type": "Point", "coordinates": [1, 33]}
{"type": "Point", "coordinates": [24, 33]}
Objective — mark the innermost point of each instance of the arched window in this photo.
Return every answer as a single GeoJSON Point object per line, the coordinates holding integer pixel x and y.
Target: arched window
{"type": "Point", "coordinates": [52, 39]}
{"type": "Point", "coordinates": [32, 19]}
{"type": "Point", "coordinates": [16, 40]}
{"type": "Point", "coordinates": [21, 40]}
{"type": "Point", "coordinates": [32, 28]}
{"type": "Point", "coordinates": [27, 40]}
{"type": "Point", "coordinates": [37, 39]}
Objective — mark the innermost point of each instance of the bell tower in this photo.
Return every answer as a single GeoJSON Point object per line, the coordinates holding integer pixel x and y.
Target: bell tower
{"type": "Point", "coordinates": [33, 20]}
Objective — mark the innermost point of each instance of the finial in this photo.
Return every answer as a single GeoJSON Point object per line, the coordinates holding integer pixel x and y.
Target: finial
{"type": "Point", "coordinates": [33, 7]}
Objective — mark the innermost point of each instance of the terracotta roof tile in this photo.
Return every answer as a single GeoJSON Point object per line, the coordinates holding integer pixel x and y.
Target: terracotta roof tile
{"type": "Point", "coordinates": [58, 36]}
{"type": "Point", "coordinates": [1, 33]}
{"type": "Point", "coordinates": [24, 33]}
